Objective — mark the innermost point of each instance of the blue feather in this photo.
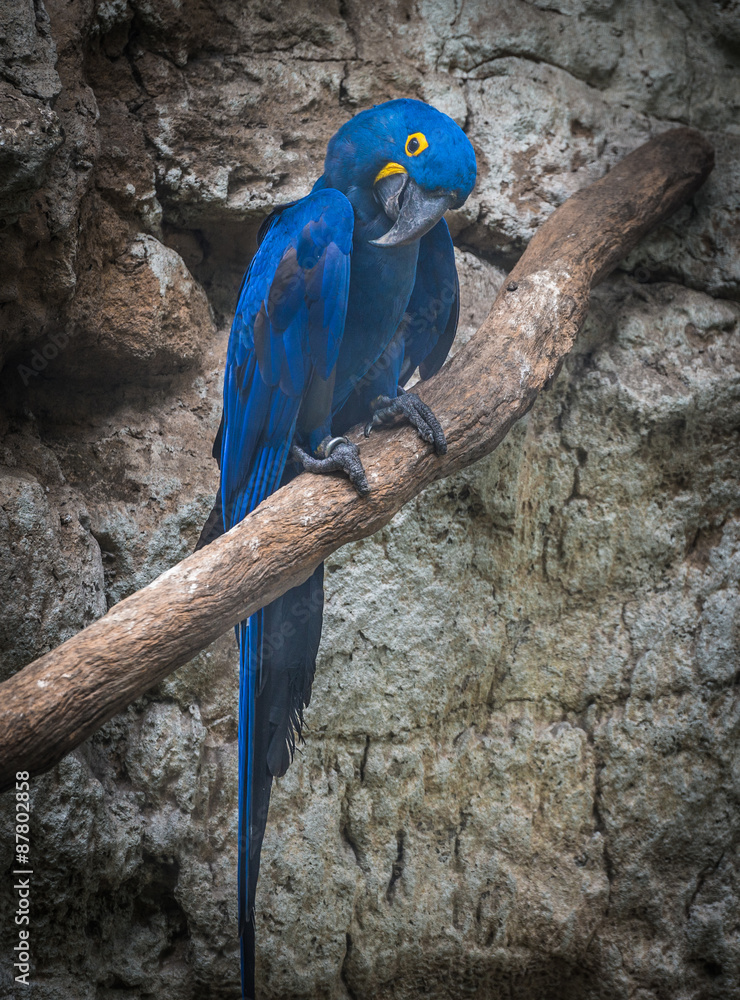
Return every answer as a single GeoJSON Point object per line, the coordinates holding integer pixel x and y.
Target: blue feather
{"type": "Point", "coordinates": [422, 338]}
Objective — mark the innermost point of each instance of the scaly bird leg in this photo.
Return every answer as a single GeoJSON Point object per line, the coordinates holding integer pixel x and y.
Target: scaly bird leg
{"type": "Point", "coordinates": [335, 454]}
{"type": "Point", "coordinates": [418, 414]}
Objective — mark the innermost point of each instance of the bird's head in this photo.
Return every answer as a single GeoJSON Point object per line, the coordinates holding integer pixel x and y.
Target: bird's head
{"type": "Point", "coordinates": [415, 160]}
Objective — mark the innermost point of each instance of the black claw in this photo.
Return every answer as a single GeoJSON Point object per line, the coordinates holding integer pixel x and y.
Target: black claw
{"type": "Point", "coordinates": [418, 414]}
{"type": "Point", "coordinates": [343, 456]}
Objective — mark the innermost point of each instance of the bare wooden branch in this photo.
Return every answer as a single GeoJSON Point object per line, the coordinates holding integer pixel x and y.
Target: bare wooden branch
{"type": "Point", "coordinates": [57, 701]}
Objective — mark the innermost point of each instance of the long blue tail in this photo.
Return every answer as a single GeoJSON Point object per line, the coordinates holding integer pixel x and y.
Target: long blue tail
{"type": "Point", "coordinates": [247, 633]}
{"type": "Point", "coordinates": [277, 658]}
{"type": "Point", "coordinates": [277, 652]}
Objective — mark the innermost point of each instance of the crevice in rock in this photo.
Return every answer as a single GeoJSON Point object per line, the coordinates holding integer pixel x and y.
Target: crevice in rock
{"type": "Point", "coordinates": [357, 851]}
{"type": "Point", "coordinates": [600, 827]}
{"type": "Point", "coordinates": [363, 762]}
{"type": "Point", "coordinates": [398, 866]}
{"type": "Point", "coordinates": [156, 898]}
{"type": "Point", "coordinates": [459, 859]}
{"type": "Point", "coordinates": [343, 973]}
{"type": "Point", "coordinates": [109, 553]}
{"type": "Point", "coordinates": [575, 492]}
{"type": "Point", "coordinates": [526, 57]}
{"type": "Point", "coordinates": [346, 15]}
{"type": "Point", "coordinates": [704, 874]}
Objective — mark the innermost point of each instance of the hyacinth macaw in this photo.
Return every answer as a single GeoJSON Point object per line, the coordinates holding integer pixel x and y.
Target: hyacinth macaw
{"type": "Point", "coordinates": [352, 288]}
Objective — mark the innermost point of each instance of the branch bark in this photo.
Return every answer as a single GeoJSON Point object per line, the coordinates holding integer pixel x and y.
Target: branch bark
{"type": "Point", "coordinates": [56, 702]}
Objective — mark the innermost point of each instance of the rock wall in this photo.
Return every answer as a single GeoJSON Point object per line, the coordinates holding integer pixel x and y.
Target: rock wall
{"type": "Point", "coordinates": [521, 770]}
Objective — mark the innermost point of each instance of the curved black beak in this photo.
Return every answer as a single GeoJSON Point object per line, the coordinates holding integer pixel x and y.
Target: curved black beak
{"type": "Point", "coordinates": [388, 193]}
{"type": "Point", "coordinates": [414, 210]}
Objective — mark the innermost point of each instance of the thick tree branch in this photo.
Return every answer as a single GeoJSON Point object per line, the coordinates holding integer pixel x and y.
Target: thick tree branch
{"type": "Point", "coordinates": [57, 701]}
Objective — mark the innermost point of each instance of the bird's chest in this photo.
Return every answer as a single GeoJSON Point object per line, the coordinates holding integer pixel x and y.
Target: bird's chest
{"type": "Point", "coordinates": [381, 282]}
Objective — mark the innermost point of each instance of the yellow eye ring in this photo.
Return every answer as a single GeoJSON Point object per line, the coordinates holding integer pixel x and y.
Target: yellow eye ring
{"type": "Point", "coordinates": [416, 143]}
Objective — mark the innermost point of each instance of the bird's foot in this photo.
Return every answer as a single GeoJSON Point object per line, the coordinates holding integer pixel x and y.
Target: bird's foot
{"type": "Point", "coordinates": [418, 414]}
{"type": "Point", "coordinates": [334, 455]}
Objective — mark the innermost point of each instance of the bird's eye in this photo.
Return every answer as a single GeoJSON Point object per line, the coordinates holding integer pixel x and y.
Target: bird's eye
{"type": "Point", "coordinates": [416, 143]}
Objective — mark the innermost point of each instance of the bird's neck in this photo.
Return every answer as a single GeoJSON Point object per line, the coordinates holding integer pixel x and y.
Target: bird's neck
{"type": "Point", "coordinates": [368, 214]}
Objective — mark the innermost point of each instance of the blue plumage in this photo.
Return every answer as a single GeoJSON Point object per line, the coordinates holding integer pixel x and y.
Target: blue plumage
{"type": "Point", "coordinates": [423, 337]}
{"type": "Point", "coordinates": [351, 289]}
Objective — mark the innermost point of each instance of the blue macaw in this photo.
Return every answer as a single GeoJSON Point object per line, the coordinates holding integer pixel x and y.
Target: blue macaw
{"type": "Point", "coordinates": [352, 288]}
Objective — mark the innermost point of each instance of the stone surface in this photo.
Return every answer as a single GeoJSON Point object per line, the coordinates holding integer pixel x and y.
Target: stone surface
{"type": "Point", "coordinates": [29, 137]}
{"type": "Point", "coordinates": [520, 776]}
{"type": "Point", "coordinates": [52, 570]}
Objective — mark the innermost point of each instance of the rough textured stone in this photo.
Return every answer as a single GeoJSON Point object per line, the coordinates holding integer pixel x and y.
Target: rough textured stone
{"type": "Point", "coordinates": [52, 573]}
{"type": "Point", "coordinates": [29, 51]}
{"type": "Point", "coordinates": [29, 136]}
{"type": "Point", "coordinates": [520, 775]}
{"type": "Point", "coordinates": [141, 317]}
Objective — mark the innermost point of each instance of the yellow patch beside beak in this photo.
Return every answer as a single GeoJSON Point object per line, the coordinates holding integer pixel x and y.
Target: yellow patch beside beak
{"type": "Point", "coordinates": [388, 169]}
